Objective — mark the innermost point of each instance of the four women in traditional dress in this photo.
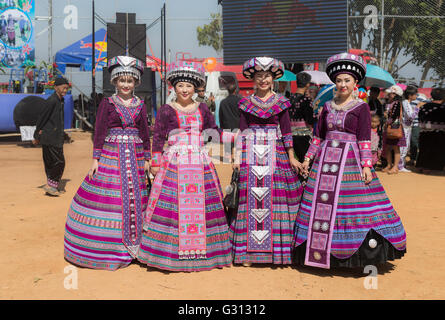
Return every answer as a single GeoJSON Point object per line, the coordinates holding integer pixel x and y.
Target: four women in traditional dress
{"type": "Point", "coordinates": [104, 224]}
{"type": "Point", "coordinates": [345, 218]}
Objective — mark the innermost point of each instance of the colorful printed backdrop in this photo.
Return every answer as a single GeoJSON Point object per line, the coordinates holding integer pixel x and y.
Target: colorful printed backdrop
{"type": "Point", "coordinates": [17, 46]}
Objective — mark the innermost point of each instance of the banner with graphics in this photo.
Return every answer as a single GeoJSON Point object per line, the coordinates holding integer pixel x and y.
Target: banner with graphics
{"type": "Point", "coordinates": [288, 30]}
{"type": "Point", "coordinates": [17, 48]}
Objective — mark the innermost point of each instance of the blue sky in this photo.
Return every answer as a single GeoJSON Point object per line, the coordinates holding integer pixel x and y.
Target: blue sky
{"type": "Point", "coordinates": [183, 17]}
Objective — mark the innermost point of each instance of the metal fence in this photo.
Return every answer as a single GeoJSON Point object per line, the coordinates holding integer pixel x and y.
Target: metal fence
{"type": "Point", "coordinates": [405, 37]}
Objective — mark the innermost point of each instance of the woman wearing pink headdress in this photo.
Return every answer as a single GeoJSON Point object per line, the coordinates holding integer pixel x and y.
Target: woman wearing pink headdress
{"type": "Point", "coordinates": [185, 225]}
{"type": "Point", "coordinates": [345, 217]}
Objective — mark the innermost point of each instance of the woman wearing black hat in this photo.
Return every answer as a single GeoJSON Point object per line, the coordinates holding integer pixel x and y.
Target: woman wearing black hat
{"type": "Point", "coordinates": [49, 133]}
{"type": "Point", "coordinates": [345, 218]}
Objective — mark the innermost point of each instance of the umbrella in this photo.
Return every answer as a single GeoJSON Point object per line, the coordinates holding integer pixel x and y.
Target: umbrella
{"type": "Point", "coordinates": [325, 94]}
{"type": "Point", "coordinates": [319, 77]}
{"type": "Point", "coordinates": [377, 77]}
{"type": "Point", "coordinates": [287, 76]}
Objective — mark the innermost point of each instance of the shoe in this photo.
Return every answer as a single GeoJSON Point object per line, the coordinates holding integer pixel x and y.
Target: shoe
{"type": "Point", "coordinates": [247, 264]}
{"type": "Point", "coordinates": [51, 191]}
{"type": "Point", "coordinates": [404, 170]}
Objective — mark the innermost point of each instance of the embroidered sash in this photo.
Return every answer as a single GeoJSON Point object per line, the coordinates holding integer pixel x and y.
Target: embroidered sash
{"type": "Point", "coordinates": [191, 197]}
{"type": "Point", "coordinates": [325, 198]}
{"type": "Point", "coordinates": [260, 144]}
{"type": "Point", "coordinates": [126, 138]}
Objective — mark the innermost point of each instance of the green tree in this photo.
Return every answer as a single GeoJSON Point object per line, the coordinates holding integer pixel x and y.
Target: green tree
{"type": "Point", "coordinates": [211, 34]}
{"type": "Point", "coordinates": [419, 40]}
{"type": "Point", "coordinates": [427, 45]}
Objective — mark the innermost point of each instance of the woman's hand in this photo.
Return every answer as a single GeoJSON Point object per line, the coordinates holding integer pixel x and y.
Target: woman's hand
{"type": "Point", "coordinates": [296, 165]}
{"type": "Point", "coordinates": [147, 166]}
{"type": "Point", "coordinates": [154, 170]}
{"type": "Point", "coordinates": [93, 169]}
{"type": "Point", "coordinates": [305, 167]}
{"type": "Point", "coordinates": [367, 175]}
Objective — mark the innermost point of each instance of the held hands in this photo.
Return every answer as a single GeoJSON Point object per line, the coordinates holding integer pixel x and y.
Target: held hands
{"type": "Point", "coordinates": [147, 166]}
{"type": "Point", "coordinates": [305, 167]}
{"type": "Point", "coordinates": [296, 165]}
{"type": "Point", "coordinates": [93, 169]}
{"type": "Point", "coordinates": [154, 170]}
{"type": "Point", "coordinates": [367, 175]}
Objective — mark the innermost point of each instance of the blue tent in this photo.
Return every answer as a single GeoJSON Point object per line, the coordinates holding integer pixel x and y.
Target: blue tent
{"type": "Point", "coordinates": [78, 54]}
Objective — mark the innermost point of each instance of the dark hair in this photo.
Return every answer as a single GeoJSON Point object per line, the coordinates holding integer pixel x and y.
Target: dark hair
{"type": "Point", "coordinates": [232, 88]}
{"type": "Point", "coordinates": [375, 115]}
{"type": "Point", "coordinates": [438, 94]}
{"type": "Point", "coordinates": [303, 79]}
{"type": "Point", "coordinates": [409, 91]}
{"type": "Point", "coordinates": [374, 89]}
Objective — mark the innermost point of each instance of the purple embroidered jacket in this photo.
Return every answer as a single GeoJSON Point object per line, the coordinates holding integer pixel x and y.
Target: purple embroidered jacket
{"type": "Point", "coordinates": [356, 120]}
{"type": "Point", "coordinates": [167, 120]}
{"type": "Point", "coordinates": [276, 114]}
{"type": "Point", "coordinates": [107, 118]}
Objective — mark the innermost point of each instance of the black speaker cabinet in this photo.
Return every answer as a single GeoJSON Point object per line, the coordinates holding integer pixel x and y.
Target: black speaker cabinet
{"type": "Point", "coordinates": [117, 40]}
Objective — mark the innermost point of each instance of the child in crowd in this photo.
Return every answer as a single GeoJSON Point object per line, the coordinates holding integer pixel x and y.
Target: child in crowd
{"type": "Point", "coordinates": [375, 139]}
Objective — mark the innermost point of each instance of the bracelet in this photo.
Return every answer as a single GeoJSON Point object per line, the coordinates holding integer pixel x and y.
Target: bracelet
{"type": "Point", "coordinates": [307, 159]}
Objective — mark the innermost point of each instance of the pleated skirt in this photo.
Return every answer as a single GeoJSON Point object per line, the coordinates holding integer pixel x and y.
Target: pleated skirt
{"type": "Point", "coordinates": [94, 228]}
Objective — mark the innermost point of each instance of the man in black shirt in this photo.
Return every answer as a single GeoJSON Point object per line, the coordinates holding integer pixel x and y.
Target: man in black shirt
{"type": "Point", "coordinates": [301, 116]}
{"type": "Point", "coordinates": [228, 109]}
{"type": "Point", "coordinates": [50, 134]}
{"type": "Point", "coordinates": [229, 113]}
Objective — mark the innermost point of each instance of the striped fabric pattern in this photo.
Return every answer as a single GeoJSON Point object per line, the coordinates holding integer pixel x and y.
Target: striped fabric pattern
{"type": "Point", "coordinates": [360, 208]}
{"type": "Point", "coordinates": [93, 232]}
{"type": "Point", "coordinates": [286, 194]}
{"type": "Point", "coordinates": [160, 242]}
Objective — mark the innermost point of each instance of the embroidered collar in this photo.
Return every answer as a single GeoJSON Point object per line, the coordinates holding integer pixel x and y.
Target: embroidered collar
{"type": "Point", "coordinates": [134, 103]}
{"type": "Point", "coordinates": [346, 107]}
{"type": "Point", "coordinates": [264, 109]}
{"type": "Point", "coordinates": [191, 108]}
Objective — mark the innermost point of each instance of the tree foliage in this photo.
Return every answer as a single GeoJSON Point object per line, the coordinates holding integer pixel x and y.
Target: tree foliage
{"type": "Point", "coordinates": [211, 34]}
{"type": "Point", "coordinates": [419, 40]}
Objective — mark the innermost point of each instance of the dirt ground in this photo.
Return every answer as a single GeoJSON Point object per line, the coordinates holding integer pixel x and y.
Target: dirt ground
{"type": "Point", "coordinates": [33, 267]}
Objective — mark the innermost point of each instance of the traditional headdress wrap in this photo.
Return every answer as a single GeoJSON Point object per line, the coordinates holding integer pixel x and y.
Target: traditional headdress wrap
{"type": "Point", "coordinates": [182, 71]}
{"type": "Point", "coordinates": [125, 66]}
{"type": "Point", "coordinates": [251, 66]}
{"type": "Point", "coordinates": [395, 89]}
{"type": "Point", "coordinates": [346, 63]}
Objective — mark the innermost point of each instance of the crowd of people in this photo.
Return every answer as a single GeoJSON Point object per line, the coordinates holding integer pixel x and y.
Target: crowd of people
{"type": "Point", "coordinates": [308, 190]}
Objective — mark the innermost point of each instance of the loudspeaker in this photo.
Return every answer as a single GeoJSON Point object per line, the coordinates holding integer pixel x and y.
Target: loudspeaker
{"type": "Point", "coordinates": [121, 17]}
{"type": "Point", "coordinates": [117, 40]}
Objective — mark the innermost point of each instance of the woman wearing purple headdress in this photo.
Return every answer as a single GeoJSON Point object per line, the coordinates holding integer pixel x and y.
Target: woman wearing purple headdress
{"type": "Point", "coordinates": [269, 186]}
{"type": "Point", "coordinates": [185, 227]}
{"type": "Point", "coordinates": [104, 224]}
{"type": "Point", "coordinates": [345, 217]}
